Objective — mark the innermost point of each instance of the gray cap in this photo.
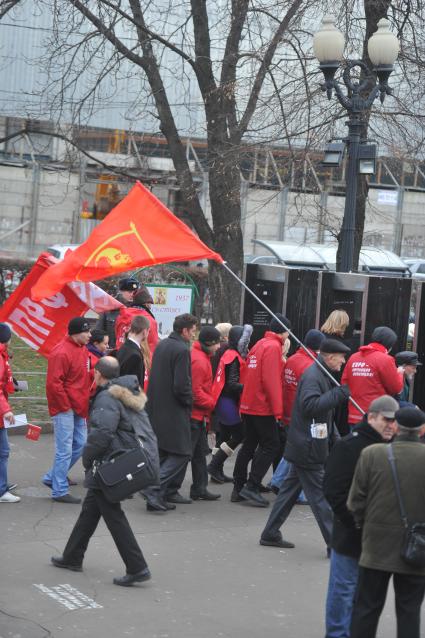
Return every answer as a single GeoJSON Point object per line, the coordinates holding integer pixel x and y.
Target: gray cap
{"type": "Point", "coordinates": [385, 405]}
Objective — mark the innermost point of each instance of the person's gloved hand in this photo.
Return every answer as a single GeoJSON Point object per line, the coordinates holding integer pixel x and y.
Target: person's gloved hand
{"type": "Point", "coordinates": [345, 391]}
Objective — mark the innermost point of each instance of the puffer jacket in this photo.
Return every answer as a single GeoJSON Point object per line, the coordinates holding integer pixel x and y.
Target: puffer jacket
{"type": "Point", "coordinates": [117, 419]}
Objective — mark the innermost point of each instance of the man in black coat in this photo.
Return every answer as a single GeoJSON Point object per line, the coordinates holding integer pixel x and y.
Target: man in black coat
{"type": "Point", "coordinates": [311, 433]}
{"type": "Point", "coordinates": [377, 426]}
{"type": "Point", "coordinates": [169, 407]}
{"type": "Point", "coordinates": [116, 420]}
{"type": "Point", "coordinates": [130, 356]}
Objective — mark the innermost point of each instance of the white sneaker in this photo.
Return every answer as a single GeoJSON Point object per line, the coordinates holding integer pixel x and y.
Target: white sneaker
{"type": "Point", "coordinates": [9, 498]}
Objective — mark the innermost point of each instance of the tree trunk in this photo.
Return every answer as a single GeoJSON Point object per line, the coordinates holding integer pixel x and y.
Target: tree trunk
{"type": "Point", "coordinates": [226, 212]}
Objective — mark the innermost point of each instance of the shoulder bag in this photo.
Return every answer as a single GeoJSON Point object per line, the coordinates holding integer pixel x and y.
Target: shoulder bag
{"type": "Point", "coordinates": [124, 473]}
{"type": "Point", "coordinates": [413, 547]}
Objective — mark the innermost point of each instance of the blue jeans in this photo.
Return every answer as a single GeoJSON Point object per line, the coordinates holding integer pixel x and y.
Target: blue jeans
{"type": "Point", "coordinates": [4, 457]}
{"type": "Point", "coordinates": [70, 437]}
{"type": "Point", "coordinates": [279, 476]}
{"type": "Point", "coordinates": [341, 589]}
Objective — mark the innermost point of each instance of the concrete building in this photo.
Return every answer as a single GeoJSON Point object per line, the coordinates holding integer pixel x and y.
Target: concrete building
{"type": "Point", "coordinates": [46, 187]}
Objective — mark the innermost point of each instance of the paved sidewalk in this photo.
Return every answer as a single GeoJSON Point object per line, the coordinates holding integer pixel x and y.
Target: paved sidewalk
{"type": "Point", "coordinates": [211, 578]}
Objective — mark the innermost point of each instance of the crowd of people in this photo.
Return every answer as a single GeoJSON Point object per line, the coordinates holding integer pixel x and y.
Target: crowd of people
{"type": "Point", "coordinates": [310, 415]}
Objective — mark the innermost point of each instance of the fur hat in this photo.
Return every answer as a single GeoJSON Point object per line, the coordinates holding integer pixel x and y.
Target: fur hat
{"type": "Point", "coordinates": [128, 283]}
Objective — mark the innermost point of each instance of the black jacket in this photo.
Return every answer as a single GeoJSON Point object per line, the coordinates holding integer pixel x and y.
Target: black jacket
{"type": "Point", "coordinates": [316, 398]}
{"type": "Point", "coordinates": [339, 472]}
{"type": "Point", "coordinates": [131, 360]}
{"type": "Point", "coordinates": [116, 419]}
{"type": "Point", "coordinates": [170, 395]}
{"type": "Point", "coordinates": [232, 386]}
{"type": "Point", "coordinates": [107, 320]}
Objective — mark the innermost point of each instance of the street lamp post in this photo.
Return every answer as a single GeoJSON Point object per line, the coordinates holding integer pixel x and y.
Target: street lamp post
{"type": "Point", "coordinates": [383, 47]}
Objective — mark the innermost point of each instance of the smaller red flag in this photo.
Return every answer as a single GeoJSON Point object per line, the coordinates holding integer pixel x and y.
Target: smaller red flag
{"type": "Point", "coordinates": [43, 323]}
{"type": "Point", "coordinates": [139, 231]}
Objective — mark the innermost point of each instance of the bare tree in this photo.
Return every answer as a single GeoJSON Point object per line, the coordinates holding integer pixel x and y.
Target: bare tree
{"type": "Point", "coordinates": [237, 51]}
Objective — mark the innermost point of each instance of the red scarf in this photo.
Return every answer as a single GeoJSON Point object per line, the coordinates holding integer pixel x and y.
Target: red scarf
{"type": "Point", "coordinates": [220, 376]}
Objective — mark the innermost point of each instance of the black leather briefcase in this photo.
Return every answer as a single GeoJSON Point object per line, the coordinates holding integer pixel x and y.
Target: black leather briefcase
{"type": "Point", "coordinates": [124, 473]}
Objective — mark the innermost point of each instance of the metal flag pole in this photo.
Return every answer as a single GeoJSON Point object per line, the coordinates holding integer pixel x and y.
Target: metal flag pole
{"type": "Point", "coordinates": [300, 343]}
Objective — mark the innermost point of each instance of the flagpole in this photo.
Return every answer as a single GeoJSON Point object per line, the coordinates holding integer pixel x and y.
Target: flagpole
{"type": "Point", "coordinates": [300, 343]}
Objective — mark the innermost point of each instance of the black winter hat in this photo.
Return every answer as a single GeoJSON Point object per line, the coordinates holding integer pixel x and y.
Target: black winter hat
{"type": "Point", "coordinates": [142, 296]}
{"type": "Point", "coordinates": [385, 336]}
{"type": "Point", "coordinates": [275, 325]}
{"type": "Point", "coordinates": [410, 417]}
{"type": "Point", "coordinates": [208, 336]}
{"type": "Point", "coordinates": [5, 333]}
{"type": "Point", "coordinates": [128, 283]}
{"type": "Point", "coordinates": [77, 325]}
{"type": "Point", "coordinates": [332, 346]}
{"type": "Point", "coordinates": [313, 339]}
{"type": "Point", "coordinates": [235, 333]}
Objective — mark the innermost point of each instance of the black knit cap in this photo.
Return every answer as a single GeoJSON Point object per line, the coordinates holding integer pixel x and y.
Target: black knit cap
{"type": "Point", "coordinates": [77, 325]}
{"type": "Point", "coordinates": [385, 336]}
{"type": "Point", "coordinates": [333, 346]}
{"type": "Point", "coordinates": [313, 339]}
{"type": "Point", "coordinates": [410, 418]}
{"type": "Point", "coordinates": [275, 325]}
{"type": "Point", "coordinates": [208, 336]}
{"type": "Point", "coordinates": [5, 333]}
{"type": "Point", "coordinates": [128, 283]}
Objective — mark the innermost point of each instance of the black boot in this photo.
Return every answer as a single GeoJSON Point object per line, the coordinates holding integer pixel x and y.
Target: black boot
{"type": "Point", "coordinates": [215, 467]}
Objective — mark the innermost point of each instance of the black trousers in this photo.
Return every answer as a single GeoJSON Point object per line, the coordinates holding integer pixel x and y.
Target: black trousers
{"type": "Point", "coordinates": [297, 479]}
{"type": "Point", "coordinates": [260, 444]}
{"type": "Point", "coordinates": [232, 435]}
{"type": "Point", "coordinates": [370, 598]}
{"type": "Point", "coordinates": [198, 460]}
{"type": "Point", "coordinates": [94, 506]}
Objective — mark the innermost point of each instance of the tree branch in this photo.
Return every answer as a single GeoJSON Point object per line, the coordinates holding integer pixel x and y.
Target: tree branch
{"type": "Point", "coordinates": [262, 71]}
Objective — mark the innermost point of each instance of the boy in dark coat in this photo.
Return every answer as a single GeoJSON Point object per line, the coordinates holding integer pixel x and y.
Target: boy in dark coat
{"type": "Point", "coordinates": [378, 426]}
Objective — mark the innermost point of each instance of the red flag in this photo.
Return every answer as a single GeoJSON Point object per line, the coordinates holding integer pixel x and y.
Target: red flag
{"type": "Point", "coordinates": [41, 324]}
{"type": "Point", "coordinates": [139, 231]}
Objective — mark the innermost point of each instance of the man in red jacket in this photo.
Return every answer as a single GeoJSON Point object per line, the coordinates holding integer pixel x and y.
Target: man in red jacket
{"type": "Point", "coordinates": [142, 303]}
{"type": "Point", "coordinates": [67, 391]}
{"type": "Point", "coordinates": [203, 403]}
{"type": "Point", "coordinates": [372, 372]}
{"type": "Point", "coordinates": [295, 366]}
{"type": "Point", "coordinates": [262, 406]}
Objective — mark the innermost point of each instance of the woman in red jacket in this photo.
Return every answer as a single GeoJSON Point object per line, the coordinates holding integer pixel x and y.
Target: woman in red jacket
{"type": "Point", "coordinates": [6, 413]}
{"type": "Point", "coordinates": [226, 391]}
